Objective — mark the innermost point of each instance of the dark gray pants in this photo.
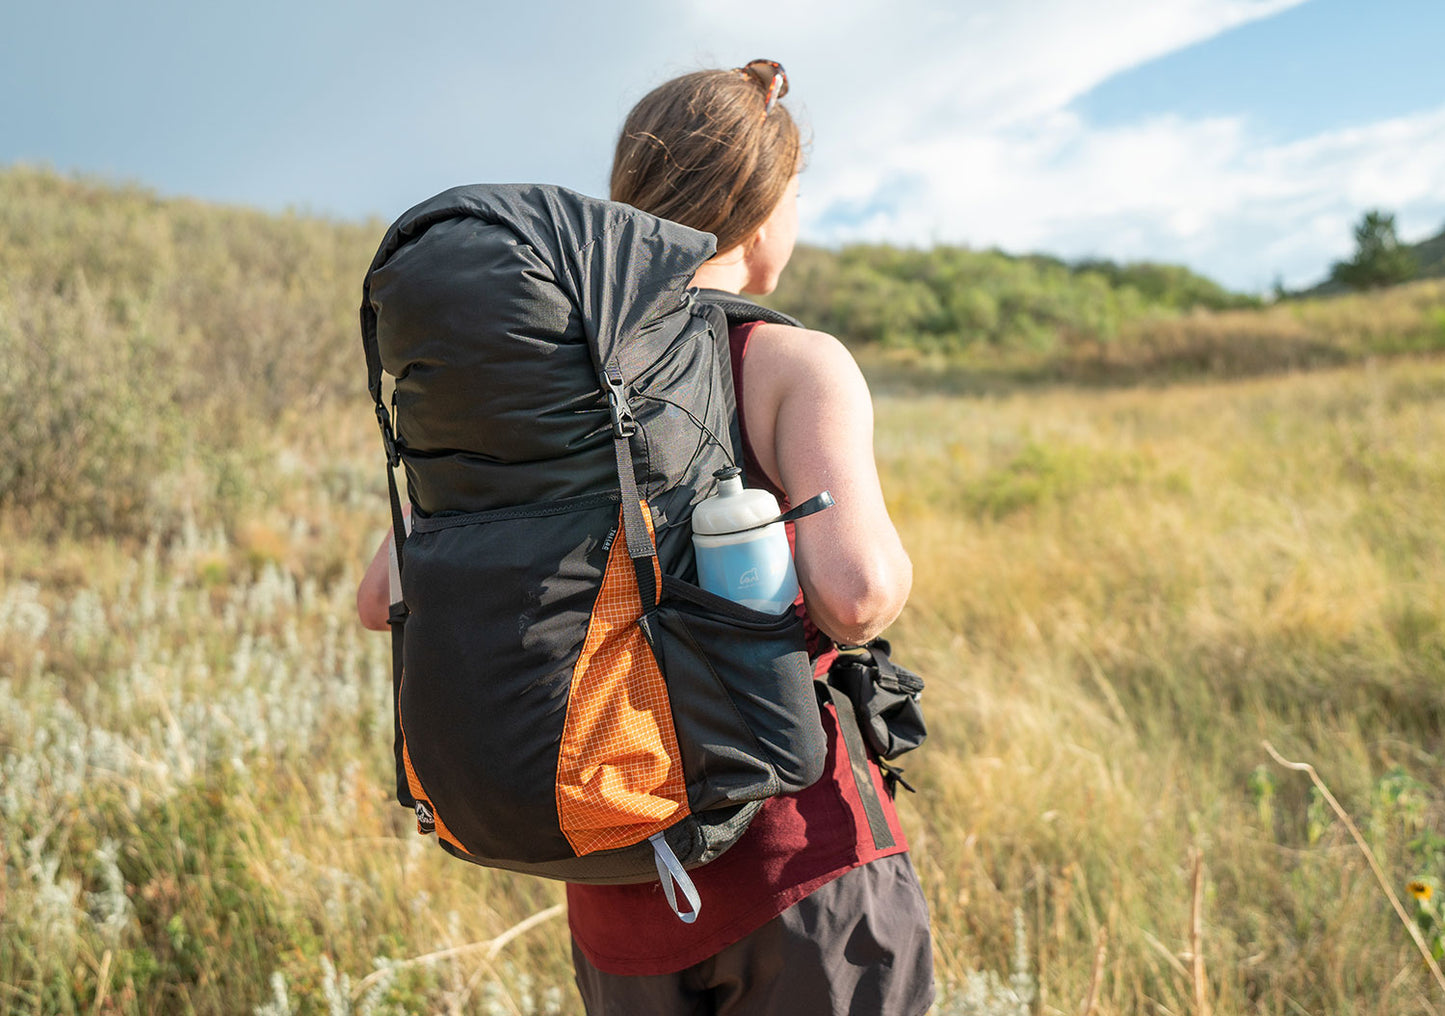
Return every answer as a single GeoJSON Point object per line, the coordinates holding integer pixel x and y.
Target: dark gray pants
{"type": "Point", "coordinates": [858, 946]}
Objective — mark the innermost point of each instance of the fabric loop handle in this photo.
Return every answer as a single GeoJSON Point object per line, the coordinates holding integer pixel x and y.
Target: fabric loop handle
{"type": "Point", "coordinates": [669, 871]}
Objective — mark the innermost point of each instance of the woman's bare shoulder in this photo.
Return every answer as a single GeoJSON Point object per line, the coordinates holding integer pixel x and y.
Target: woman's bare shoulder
{"type": "Point", "coordinates": [785, 352]}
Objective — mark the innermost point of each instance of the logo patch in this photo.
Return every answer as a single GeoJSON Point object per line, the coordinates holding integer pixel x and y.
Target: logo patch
{"type": "Point", "coordinates": [748, 578]}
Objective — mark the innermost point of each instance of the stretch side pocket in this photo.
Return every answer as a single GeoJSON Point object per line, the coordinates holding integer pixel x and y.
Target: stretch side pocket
{"type": "Point", "coordinates": [619, 774]}
{"type": "Point", "coordinates": [742, 696]}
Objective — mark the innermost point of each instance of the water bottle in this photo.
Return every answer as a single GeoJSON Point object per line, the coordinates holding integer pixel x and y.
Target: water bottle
{"type": "Point", "coordinates": [742, 547]}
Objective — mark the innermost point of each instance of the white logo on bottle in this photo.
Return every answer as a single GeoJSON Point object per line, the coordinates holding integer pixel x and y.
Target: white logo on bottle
{"type": "Point", "coordinates": [748, 578]}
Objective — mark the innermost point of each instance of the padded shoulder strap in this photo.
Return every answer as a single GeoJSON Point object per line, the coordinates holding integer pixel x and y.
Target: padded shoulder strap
{"type": "Point", "coordinates": [741, 310]}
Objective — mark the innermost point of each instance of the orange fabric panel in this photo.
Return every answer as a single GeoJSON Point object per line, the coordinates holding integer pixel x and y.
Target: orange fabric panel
{"type": "Point", "coordinates": [619, 772]}
{"type": "Point", "coordinates": [446, 834]}
{"type": "Point", "coordinates": [413, 784]}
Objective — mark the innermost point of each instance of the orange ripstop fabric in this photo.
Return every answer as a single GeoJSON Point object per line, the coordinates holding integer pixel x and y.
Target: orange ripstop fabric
{"type": "Point", "coordinates": [619, 772]}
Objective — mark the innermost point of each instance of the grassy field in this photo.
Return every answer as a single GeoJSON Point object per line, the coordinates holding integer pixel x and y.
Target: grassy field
{"type": "Point", "coordinates": [1126, 581]}
{"type": "Point", "coordinates": [1119, 594]}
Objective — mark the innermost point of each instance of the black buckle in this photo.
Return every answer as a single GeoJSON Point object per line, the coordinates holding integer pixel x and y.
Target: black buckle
{"type": "Point", "coordinates": [893, 779]}
{"type": "Point", "coordinates": [624, 424]}
{"type": "Point", "coordinates": [388, 439]}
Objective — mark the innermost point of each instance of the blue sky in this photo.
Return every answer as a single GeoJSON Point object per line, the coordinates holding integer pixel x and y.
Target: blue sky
{"type": "Point", "coordinates": [1240, 137]}
{"type": "Point", "coordinates": [1315, 67]}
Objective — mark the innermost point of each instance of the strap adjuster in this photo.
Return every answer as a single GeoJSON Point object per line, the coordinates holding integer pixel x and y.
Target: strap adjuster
{"type": "Point", "coordinates": [624, 424]}
{"type": "Point", "coordinates": [388, 437]}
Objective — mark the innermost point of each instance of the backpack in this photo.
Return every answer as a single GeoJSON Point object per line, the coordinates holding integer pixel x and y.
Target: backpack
{"type": "Point", "coordinates": [568, 702]}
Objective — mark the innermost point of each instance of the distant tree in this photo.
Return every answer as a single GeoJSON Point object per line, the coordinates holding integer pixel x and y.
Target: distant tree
{"type": "Point", "coordinates": [1380, 259]}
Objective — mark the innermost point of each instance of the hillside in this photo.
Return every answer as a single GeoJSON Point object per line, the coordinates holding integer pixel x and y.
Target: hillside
{"type": "Point", "coordinates": [139, 329]}
{"type": "Point", "coordinates": [1430, 256]}
{"type": "Point", "coordinates": [1429, 260]}
{"type": "Point", "coordinates": [952, 299]}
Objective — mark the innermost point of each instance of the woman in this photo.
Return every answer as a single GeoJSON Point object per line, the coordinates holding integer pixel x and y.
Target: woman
{"type": "Point", "coordinates": [812, 911]}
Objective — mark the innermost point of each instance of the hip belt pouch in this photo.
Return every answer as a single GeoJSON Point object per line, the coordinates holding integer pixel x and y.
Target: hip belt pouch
{"type": "Point", "coordinates": [884, 695]}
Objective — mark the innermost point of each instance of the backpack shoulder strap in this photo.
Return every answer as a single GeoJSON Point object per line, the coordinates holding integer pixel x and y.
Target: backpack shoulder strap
{"type": "Point", "coordinates": [741, 310]}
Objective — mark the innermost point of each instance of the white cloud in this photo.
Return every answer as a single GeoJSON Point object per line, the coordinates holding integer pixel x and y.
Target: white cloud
{"type": "Point", "coordinates": [952, 125]}
{"type": "Point", "coordinates": [1200, 191]}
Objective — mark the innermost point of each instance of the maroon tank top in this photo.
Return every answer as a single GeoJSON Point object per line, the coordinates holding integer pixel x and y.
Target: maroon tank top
{"type": "Point", "coordinates": [796, 843]}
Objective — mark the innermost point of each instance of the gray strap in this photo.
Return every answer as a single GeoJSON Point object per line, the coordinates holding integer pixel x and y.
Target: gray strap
{"type": "Point", "coordinates": [858, 758]}
{"type": "Point", "coordinates": [634, 527]}
{"type": "Point", "coordinates": [639, 538]}
{"type": "Point", "coordinates": [670, 871]}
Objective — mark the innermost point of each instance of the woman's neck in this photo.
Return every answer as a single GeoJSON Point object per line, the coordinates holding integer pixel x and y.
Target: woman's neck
{"type": "Point", "coordinates": [729, 275]}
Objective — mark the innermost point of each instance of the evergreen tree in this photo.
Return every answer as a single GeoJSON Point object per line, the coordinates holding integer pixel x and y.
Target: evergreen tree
{"type": "Point", "coordinates": [1380, 259]}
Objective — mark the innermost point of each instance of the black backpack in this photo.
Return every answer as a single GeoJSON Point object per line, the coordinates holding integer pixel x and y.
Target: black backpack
{"type": "Point", "coordinates": [569, 703]}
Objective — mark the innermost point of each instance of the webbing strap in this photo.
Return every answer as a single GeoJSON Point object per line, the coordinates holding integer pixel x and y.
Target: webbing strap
{"type": "Point", "coordinates": [670, 871]}
{"type": "Point", "coordinates": [858, 758]}
{"type": "Point", "coordinates": [398, 613]}
{"type": "Point", "coordinates": [403, 789]}
{"type": "Point", "coordinates": [396, 618]}
{"type": "Point", "coordinates": [634, 527]}
{"type": "Point", "coordinates": [398, 522]}
{"type": "Point", "coordinates": [879, 650]}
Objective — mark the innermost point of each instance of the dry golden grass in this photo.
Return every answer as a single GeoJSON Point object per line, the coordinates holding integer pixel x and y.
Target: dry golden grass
{"type": "Point", "coordinates": [1120, 592]}
{"type": "Point", "coordinates": [1118, 595]}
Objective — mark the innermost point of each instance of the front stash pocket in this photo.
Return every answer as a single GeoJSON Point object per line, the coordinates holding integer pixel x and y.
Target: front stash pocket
{"type": "Point", "coordinates": [741, 688]}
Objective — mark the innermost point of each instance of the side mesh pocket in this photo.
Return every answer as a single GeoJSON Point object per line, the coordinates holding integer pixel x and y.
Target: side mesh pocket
{"type": "Point", "coordinates": [741, 689]}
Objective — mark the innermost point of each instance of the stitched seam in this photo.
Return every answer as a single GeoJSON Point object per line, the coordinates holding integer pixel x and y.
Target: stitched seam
{"type": "Point", "coordinates": [561, 507]}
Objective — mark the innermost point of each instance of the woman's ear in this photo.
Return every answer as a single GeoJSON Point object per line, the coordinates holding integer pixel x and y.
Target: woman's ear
{"type": "Point", "coordinates": [755, 252]}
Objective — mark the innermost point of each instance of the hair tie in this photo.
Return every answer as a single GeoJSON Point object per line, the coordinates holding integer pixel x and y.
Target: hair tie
{"type": "Point", "coordinates": [769, 74]}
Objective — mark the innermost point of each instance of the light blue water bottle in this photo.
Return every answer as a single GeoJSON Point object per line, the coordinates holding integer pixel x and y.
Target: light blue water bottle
{"type": "Point", "coordinates": [742, 546]}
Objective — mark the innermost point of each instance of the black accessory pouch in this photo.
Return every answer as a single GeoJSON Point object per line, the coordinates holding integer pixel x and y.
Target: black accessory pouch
{"type": "Point", "coordinates": [885, 697]}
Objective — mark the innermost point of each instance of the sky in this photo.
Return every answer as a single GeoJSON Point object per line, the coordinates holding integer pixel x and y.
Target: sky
{"type": "Point", "coordinates": [1242, 138]}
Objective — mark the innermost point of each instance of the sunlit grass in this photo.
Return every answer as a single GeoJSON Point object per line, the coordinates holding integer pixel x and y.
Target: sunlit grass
{"type": "Point", "coordinates": [1175, 575]}
{"type": "Point", "coordinates": [1118, 594]}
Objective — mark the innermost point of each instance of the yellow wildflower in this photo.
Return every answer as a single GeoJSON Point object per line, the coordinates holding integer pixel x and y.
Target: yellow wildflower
{"type": "Point", "coordinates": [1420, 890]}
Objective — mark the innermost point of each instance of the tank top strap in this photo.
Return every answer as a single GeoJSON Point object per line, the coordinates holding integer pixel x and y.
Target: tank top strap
{"type": "Point", "coordinates": [820, 646]}
{"type": "Point", "coordinates": [738, 338]}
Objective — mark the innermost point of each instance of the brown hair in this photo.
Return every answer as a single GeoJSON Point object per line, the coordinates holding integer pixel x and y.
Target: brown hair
{"type": "Point", "coordinates": [698, 150]}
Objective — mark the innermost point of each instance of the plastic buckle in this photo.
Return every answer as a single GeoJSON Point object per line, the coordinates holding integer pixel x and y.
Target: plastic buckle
{"type": "Point", "coordinates": [624, 424]}
{"type": "Point", "coordinates": [388, 439]}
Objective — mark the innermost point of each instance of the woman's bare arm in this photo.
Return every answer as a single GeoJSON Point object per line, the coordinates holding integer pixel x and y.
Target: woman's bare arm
{"type": "Point", "coordinates": [373, 596]}
{"type": "Point", "coordinates": [810, 423]}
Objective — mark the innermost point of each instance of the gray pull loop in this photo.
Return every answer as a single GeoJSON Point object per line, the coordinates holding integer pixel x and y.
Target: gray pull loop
{"type": "Point", "coordinates": [670, 870]}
